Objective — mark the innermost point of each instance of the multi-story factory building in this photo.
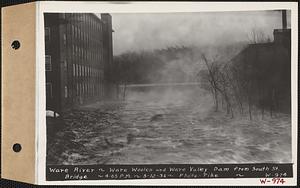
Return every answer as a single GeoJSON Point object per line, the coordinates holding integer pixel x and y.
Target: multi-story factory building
{"type": "Point", "coordinates": [78, 55]}
{"type": "Point", "coordinates": [268, 64]}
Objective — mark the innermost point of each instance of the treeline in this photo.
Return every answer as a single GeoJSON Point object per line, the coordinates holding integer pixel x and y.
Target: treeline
{"type": "Point", "coordinates": [157, 66]}
{"type": "Point", "coordinates": [258, 78]}
{"type": "Point", "coordinates": [175, 64]}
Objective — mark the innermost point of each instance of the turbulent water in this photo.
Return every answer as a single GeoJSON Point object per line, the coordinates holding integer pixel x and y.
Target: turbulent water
{"type": "Point", "coordinates": [155, 126]}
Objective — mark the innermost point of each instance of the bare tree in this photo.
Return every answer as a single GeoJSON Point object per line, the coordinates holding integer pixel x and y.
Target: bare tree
{"type": "Point", "coordinates": [212, 79]}
{"type": "Point", "coordinates": [257, 36]}
{"type": "Point", "coordinates": [219, 84]}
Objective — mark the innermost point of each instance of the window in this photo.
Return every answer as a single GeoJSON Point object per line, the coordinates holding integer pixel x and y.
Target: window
{"type": "Point", "coordinates": [65, 39]}
{"type": "Point", "coordinates": [48, 64]}
{"type": "Point", "coordinates": [65, 65]}
{"type": "Point", "coordinates": [74, 70]}
{"type": "Point", "coordinates": [47, 34]}
{"type": "Point", "coordinates": [77, 89]}
{"type": "Point", "coordinates": [77, 32]}
{"type": "Point", "coordinates": [73, 50]}
{"type": "Point", "coordinates": [78, 71]}
{"type": "Point", "coordinates": [83, 88]}
{"type": "Point", "coordinates": [66, 92]}
{"type": "Point", "coordinates": [73, 30]}
{"type": "Point", "coordinates": [48, 90]}
{"type": "Point", "coordinates": [82, 70]}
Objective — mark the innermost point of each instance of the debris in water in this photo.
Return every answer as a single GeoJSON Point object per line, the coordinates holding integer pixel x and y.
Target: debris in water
{"type": "Point", "coordinates": [157, 117]}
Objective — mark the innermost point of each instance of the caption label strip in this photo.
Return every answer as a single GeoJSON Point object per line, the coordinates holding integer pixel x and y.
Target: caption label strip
{"type": "Point", "coordinates": [167, 171]}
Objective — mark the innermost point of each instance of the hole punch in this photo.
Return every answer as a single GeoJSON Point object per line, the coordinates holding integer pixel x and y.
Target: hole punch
{"type": "Point", "coordinates": [15, 44]}
{"type": "Point", "coordinates": [17, 147]}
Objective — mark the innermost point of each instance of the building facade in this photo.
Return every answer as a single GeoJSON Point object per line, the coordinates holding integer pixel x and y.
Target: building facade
{"type": "Point", "coordinates": [78, 55]}
{"type": "Point", "coordinates": [268, 64]}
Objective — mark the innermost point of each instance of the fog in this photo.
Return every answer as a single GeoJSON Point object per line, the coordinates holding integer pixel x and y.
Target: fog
{"type": "Point", "coordinates": [145, 31]}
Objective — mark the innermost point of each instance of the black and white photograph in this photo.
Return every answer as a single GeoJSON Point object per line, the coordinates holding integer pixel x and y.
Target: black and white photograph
{"type": "Point", "coordinates": [168, 88]}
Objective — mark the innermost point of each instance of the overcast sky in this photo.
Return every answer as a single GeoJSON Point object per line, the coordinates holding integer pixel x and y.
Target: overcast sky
{"type": "Point", "coordinates": [152, 31]}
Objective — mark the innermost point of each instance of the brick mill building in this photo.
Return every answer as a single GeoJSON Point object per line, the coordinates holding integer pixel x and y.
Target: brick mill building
{"type": "Point", "coordinates": [77, 58]}
{"type": "Point", "coordinates": [270, 62]}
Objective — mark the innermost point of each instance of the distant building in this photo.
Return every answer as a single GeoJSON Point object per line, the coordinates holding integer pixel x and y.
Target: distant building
{"type": "Point", "coordinates": [78, 55]}
{"type": "Point", "coordinates": [269, 64]}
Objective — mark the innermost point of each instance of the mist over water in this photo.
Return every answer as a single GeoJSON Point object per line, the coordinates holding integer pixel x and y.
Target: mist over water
{"type": "Point", "coordinates": [168, 125]}
{"type": "Point", "coordinates": [171, 96]}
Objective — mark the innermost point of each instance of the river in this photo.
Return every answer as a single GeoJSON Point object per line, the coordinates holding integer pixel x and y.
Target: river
{"type": "Point", "coordinates": [166, 125]}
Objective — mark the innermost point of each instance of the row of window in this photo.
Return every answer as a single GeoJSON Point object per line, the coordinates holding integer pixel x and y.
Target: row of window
{"type": "Point", "coordinates": [86, 71]}
{"type": "Point", "coordinates": [85, 20]}
{"type": "Point", "coordinates": [87, 89]}
{"type": "Point", "coordinates": [78, 70]}
{"type": "Point", "coordinates": [94, 50]}
{"type": "Point", "coordinates": [87, 34]}
{"type": "Point", "coordinates": [94, 37]}
{"type": "Point", "coordinates": [87, 54]}
{"type": "Point", "coordinates": [48, 64]}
